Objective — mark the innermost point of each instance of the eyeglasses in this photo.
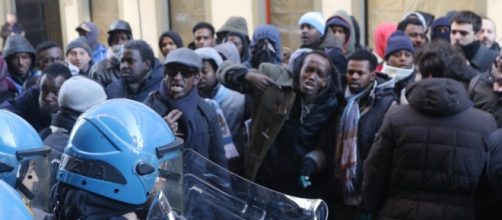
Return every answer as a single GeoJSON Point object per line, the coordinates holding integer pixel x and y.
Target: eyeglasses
{"type": "Point", "coordinates": [186, 72]}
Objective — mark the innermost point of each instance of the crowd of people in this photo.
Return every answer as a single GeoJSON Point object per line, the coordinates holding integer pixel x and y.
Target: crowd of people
{"type": "Point", "coordinates": [404, 130]}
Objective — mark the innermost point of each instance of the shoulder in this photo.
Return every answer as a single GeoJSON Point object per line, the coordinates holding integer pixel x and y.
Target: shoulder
{"type": "Point", "coordinates": [206, 109]}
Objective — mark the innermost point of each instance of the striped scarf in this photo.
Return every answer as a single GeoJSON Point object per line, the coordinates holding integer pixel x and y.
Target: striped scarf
{"type": "Point", "coordinates": [346, 146]}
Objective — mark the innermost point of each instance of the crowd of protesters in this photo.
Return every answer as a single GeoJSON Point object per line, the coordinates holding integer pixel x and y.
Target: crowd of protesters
{"type": "Point", "coordinates": [404, 130]}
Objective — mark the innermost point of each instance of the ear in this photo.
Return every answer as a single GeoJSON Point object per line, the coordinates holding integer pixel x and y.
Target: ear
{"type": "Point", "coordinates": [148, 65]}
{"type": "Point", "coordinates": [196, 78]}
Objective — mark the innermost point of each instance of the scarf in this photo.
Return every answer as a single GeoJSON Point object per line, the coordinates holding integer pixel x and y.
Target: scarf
{"type": "Point", "coordinates": [228, 143]}
{"type": "Point", "coordinates": [471, 49]}
{"type": "Point", "coordinates": [396, 72]}
{"type": "Point", "coordinates": [63, 120]}
{"type": "Point", "coordinates": [346, 139]}
{"type": "Point", "coordinates": [188, 124]}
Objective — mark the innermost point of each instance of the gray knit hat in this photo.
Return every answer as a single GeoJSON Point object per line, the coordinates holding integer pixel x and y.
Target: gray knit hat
{"type": "Point", "coordinates": [80, 93]}
{"type": "Point", "coordinates": [184, 56]}
{"type": "Point", "coordinates": [209, 53]}
{"type": "Point", "coordinates": [230, 51]}
{"type": "Point", "coordinates": [79, 42]}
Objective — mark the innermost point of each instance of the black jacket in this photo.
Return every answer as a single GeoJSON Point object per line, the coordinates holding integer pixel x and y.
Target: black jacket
{"type": "Point", "coordinates": [369, 123]}
{"type": "Point", "coordinates": [28, 107]}
{"type": "Point", "coordinates": [428, 156]}
{"type": "Point", "coordinates": [120, 89]}
{"type": "Point", "coordinates": [483, 59]}
{"type": "Point", "coordinates": [208, 132]}
{"type": "Point", "coordinates": [482, 94]}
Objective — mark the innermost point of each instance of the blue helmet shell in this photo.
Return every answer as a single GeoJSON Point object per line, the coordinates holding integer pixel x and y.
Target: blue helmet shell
{"type": "Point", "coordinates": [115, 150]}
{"type": "Point", "coordinates": [16, 135]}
{"type": "Point", "coordinates": [11, 205]}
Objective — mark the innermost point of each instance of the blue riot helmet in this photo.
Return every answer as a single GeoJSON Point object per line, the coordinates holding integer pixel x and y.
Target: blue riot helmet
{"type": "Point", "coordinates": [11, 205]}
{"type": "Point", "coordinates": [19, 146]}
{"type": "Point", "coordinates": [115, 150]}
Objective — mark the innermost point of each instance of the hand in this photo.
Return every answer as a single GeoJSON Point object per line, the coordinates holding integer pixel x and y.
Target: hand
{"type": "Point", "coordinates": [304, 181]}
{"type": "Point", "coordinates": [258, 80]}
{"type": "Point", "coordinates": [171, 118]}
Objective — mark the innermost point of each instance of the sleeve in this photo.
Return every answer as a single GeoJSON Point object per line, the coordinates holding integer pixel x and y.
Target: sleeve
{"type": "Point", "coordinates": [231, 75]}
{"type": "Point", "coordinates": [216, 151]}
{"type": "Point", "coordinates": [376, 168]}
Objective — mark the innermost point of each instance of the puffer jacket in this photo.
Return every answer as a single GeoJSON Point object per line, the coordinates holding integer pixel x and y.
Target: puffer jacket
{"type": "Point", "coordinates": [428, 156]}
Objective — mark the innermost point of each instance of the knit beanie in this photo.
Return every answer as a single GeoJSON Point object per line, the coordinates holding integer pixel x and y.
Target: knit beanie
{"type": "Point", "coordinates": [209, 53]}
{"type": "Point", "coordinates": [440, 22]}
{"type": "Point", "coordinates": [79, 42]}
{"type": "Point", "coordinates": [80, 93]}
{"type": "Point", "coordinates": [234, 24]}
{"type": "Point", "coordinates": [229, 51]}
{"type": "Point", "coordinates": [315, 19]}
{"type": "Point", "coordinates": [398, 41]}
{"type": "Point", "coordinates": [338, 21]}
{"type": "Point", "coordinates": [184, 56]}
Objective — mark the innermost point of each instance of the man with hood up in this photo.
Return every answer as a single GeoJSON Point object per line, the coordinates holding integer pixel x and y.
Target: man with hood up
{"type": "Point", "coordinates": [343, 29]}
{"type": "Point", "coordinates": [20, 58]}
{"type": "Point", "coordinates": [235, 30]}
{"type": "Point", "coordinates": [266, 46]}
{"type": "Point", "coordinates": [91, 32]}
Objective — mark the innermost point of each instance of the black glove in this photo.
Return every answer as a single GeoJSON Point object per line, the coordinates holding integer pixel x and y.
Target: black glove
{"type": "Point", "coordinates": [308, 167]}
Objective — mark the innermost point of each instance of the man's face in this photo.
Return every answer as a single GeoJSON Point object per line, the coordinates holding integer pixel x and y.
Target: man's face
{"type": "Point", "coordinates": [462, 34]}
{"type": "Point", "coordinates": [47, 57]}
{"type": "Point", "coordinates": [359, 75]}
{"type": "Point", "coordinates": [132, 66]}
{"type": "Point", "coordinates": [237, 41]}
{"type": "Point", "coordinates": [119, 38]}
{"type": "Point", "coordinates": [310, 36]}
{"type": "Point", "coordinates": [49, 90]}
{"type": "Point", "coordinates": [203, 38]}
{"type": "Point", "coordinates": [207, 78]}
{"type": "Point", "coordinates": [80, 58]}
{"type": "Point", "coordinates": [21, 64]}
{"type": "Point", "coordinates": [401, 59]}
{"type": "Point", "coordinates": [416, 33]}
{"type": "Point", "coordinates": [180, 79]}
{"type": "Point", "coordinates": [487, 34]}
{"type": "Point", "coordinates": [339, 33]}
{"type": "Point", "coordinates": [314, 74]}
{"type": "Point", "coordinates": [167, 45]}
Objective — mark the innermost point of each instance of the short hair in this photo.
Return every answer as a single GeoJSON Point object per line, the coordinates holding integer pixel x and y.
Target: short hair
{"type": "Point", "coordinates": [362, 55]}
{"type": "Point", "coordinates": [46, 45]}
{"type": "Point", "coordinates": [58, 69]}
{"type": "Point", "coordinates": [468, 17]}
{"type": "Point", "coordinates": [441, 59]}
{"type": "Point", "coordinates": [401, 26]}
{"type": "Point", "coordinates": [201, 25]}
{"type": "Point", "coordinates": [143, 48]}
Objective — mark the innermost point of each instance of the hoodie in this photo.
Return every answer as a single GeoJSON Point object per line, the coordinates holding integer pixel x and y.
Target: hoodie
{"type": "Point", "coordinates": [272, 34]}
{"type": "Point", "coordinates": [350, 45]}
{"type": "Point", "coordinates": [19, 44]}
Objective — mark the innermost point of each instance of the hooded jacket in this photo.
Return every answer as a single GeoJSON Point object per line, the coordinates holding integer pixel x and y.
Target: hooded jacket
{"type": "Point", "coordinates": [270, 33]}
{"type": "Point", "coordinates": [19, 44]}
{"type": "Point", "coordinates": [429, 156]}
{"type": "Point", "coordinates": [98, 50]}
{"type": "Point", "coordinates": [7, 86]}
{"type": "Point", "coordinates": [236, 26]}
{"type": "Point", "coordinates": [350, 45]}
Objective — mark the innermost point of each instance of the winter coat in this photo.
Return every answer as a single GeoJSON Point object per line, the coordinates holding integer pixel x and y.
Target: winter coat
{"type": "Point", "coordinates": [483, 59]}
{"type": "Point", "coordinates": [7, 86]}
{"type": "Point", "coordinates": [428, 156]}
{"type": "Point", "coordinates": [106, 71]}
{"type": "Point", "coordinates": [120, 89]}
{"type": "Point", "coordinates": [373, 108]}
{"type": "Point", "coordinates": [208, 131]}
{"type": "Point", "coordinates": [283, 133]}
{"type": "Point", "coordinates": [28, 107]}
{"type": "Point", "coordinates": [482, 94]}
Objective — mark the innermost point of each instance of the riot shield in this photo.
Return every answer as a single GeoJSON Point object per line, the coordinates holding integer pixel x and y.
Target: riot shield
{"type": "Point", "coordinates": [197, 188]}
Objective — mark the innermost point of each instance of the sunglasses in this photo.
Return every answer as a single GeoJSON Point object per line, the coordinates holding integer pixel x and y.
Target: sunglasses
{"type": "Point", "coordinates": [186, 72]}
